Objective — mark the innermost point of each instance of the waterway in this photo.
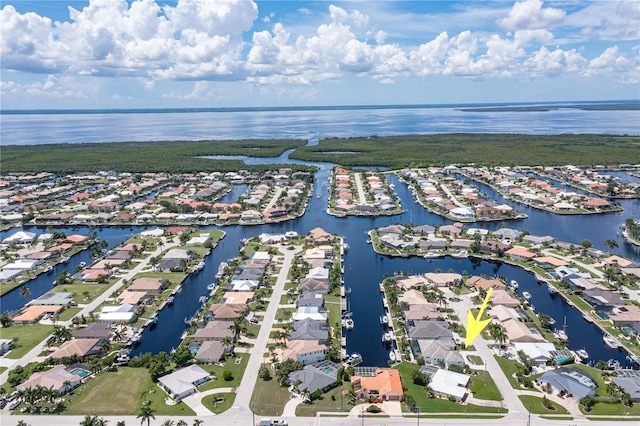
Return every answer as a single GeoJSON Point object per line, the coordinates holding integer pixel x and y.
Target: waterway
{"type": "Point", "coordinates": [364, 270]}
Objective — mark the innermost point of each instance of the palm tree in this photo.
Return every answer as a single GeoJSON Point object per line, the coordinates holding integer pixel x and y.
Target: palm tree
{"type": "Point", "coordinates": [181, 423]}
{"type": "Point", "coordinates": [146, 414]}
{"type": "Point", "coordinates": [611, 243]}
{"type": "Point", "coordinates": [25, 291]}
{"type": "Point", "coordinates": [198, 422]}
{"type": "Point", "coordinates": [88, 421]}
{"type": "Point", "coordinates": [226, 342]}
{"type": "Point", "coordinates": [168, 422]}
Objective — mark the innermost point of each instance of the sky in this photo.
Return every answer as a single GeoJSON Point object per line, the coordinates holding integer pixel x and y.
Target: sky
{"type": "Point", "coordinates": [65, 54]}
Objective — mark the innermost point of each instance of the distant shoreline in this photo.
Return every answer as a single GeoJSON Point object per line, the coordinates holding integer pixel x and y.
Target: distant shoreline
{"type": "Point", "coordinates": [612, 105]}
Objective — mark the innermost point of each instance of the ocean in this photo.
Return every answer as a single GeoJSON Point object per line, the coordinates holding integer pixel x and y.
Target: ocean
{"type": "Point", "coordinates": [78, 126]}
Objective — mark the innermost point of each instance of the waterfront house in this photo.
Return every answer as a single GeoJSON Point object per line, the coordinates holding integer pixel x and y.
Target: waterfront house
{"type": "Point", "coordinates": [384, 384]}
{"type": "Point", "coordinates": [572, 381]}
{"type": "Point", "coordinates": [59, 298]}
{"type": "Point", "coordinates": [148, 285]}
{"type": "Point", "coordinates": [80, 348]}
{"type": "Point", "coordinates": [501, 297]}
{"type": "Point", "coordinates": [310, 312]}
{"type": "Point", "coordinates": [315, 377]}
{"type": "Point", "coordinates": [183, 382]}
{"type": "Point", "coordinates": [313, 285]}
{"type": "Point", "coordinates": [309, 298]}
{"type": "Point", "coordinates": [438, 352]}
{"type": "Point", "coordinates": [32, 314]}
{"type": "Point", "coordinates": [309, 329]}
{"type": "Point", "coordinates": [225, 311]}
{"type": "Point", "coordinates": [318, 236]}
{"type": "Point", "coordinates": [211, 351]}
{"type": "Point", "coordinates": [479, 282]}
{"type": "Point", "coordinates": [94, 330]}
{"type": "Point", "coordinates": [630, 385]}
{"type": "Point", "coordinates": [214, 330]}
{"type": "Point", "coordinates": [520, 254]}
{"type": "Point", "coordinates": [57, 378]}
{"type": "Point", "coordinates": [305, 351]}
{"type": "Point", "coordinates": [538, 352]}
{"type": "Point", "coordinates": [627, 315]}
{"type": "Point", "coordinates": [602, 299]}
{"type": "Point", "coordinates": [518, 331]}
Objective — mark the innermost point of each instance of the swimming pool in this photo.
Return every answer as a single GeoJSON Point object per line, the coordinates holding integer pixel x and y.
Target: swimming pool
{"type": "Point", "coordinates": [603, 315]}
{"type": "Point", "coordinates": [80, 372]}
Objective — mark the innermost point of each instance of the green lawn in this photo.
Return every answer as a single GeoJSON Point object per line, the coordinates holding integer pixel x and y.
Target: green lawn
{"type": "Point", "coordinates": [534, 404]}
{"type": "Point", "coordinates": [216, 370]}
{"type": "Point", "coordinates": [122, 392]}
{"type": "Point", "coordinates": [483, 387]}
{"type": "Point", "coordinates": [618, 409]}
{"type": "Point", "coordinates": [68, 313]}
{"type": "Point", "coordinates": [78, 289]}
{"type": "Point", "coordinates": [475, 359]}
{"type": "Point", "coordinates": [28, 335]}
{"type": "Point", "coordinates": [509, 368]}
{"type": "Point", "coordinates": [436, 405]}
{"type": "Point", "coordinates": [330, 401]}
{"type": "Point", "coordinates": [269, 398]}
{"type": "Point", "coordinates": [213, 403]}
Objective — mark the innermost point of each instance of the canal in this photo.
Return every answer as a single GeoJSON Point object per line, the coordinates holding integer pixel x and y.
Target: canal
{"type": "Point", "coordinates": [364, 270]}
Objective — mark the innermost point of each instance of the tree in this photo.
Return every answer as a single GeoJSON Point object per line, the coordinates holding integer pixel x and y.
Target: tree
{"type": "Point", "coordinates": [25, 291]}
{"type": "Point", "coordinates": [198, 422]}
{"type": "Point", "coordinates": [146, 414]}
{"type": "Point", "coordinates": [168, 422]}
{"type": "Point", "coordinates": [585, 244]}
{"type": "Point", "coordinates": [612, 244]}
{"type": "Point", "coordinates": [5, 320]}
{"type": "Point", "coordinates": [182, 356]}
{"type": "Point", "coordinates": [264, 373]}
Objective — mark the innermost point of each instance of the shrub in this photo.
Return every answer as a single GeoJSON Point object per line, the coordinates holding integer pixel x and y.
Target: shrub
{"type": "Point", "coordinates": [373, 409]}
{"type": "Point", "coordinates": [227, 376]}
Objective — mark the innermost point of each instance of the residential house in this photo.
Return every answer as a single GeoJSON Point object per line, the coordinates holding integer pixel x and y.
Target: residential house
{"type": "Point", "coordinates": [570, 380]}
{"type": "Point", "coordinates": [183, 382]}
{"type": "Point", "coordinates": [315, 377]}
{"type": "Point", "coordinates": [57, 378]}
{"type": "Point", "coordinates": [385, 385]}
{"type": "Point", "coordinates": [446, 384]}
{"type": "Point", "coordinates": [80, 348]}
{"type": "Point", "coordinates": [305, 351]}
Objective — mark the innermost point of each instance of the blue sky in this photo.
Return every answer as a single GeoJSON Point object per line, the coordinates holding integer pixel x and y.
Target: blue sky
{"type": "Point", "coordinates": [203, 53]}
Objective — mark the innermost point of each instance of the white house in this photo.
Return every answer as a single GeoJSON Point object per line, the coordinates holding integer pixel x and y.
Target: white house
{"type": "Point", "coordinates": [182, 383]}
{"type": "Point", "coordinates": [448, 383]}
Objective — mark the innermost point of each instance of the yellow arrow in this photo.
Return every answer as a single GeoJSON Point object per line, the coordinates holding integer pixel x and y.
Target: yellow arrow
{"type": "Point", "coordinates": [475, 325]}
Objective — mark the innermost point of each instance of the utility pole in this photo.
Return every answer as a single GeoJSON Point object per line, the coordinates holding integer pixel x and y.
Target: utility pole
{"type": "Point", "coordinates": [418, 416]}
{"type": "Point", "coordinates": [253, 414]}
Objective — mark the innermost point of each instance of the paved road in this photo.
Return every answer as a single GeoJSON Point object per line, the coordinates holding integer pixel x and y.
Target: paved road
{"type": "Point", "coordinates": [361, 196]}
{"type": "Point", "coordinates": [242, 404]}
{"type": "Point", "coordinates": [33, 354]}
{"type": "Point", "coordinates": [517, 412]}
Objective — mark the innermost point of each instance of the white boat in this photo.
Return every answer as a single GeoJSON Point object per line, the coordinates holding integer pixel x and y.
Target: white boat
{"type": "Point", "coordinates": [83, 264]}
{"type": "Point", "coordinates": [561, 334]}
{"type": "Point", "coordinates": [587, 317]}
{"type": "Point", "coordinates": [49, 268]}
{"type": "Point", "coordinates": [211, 286]}
{"type": "Point", "coordinates": [533, 308]}
{"type": "Point", "coordinates": [582, 354]}
{"type": "Point", "coordinates": [199, 266]}
{"type": "Point", "coordinates": [392, 355]}
{"type": "Point", "coordinates": [221, 269]}
{"type": "Point", "coordinates": [354, 359]}
{"type": "Point", "coordinates": [432, 255]}
{"type": "Point", "coordinates": [514, 284]}
{"type": "Point", "coordinates": [526, 295]}
{"type": "Point", "coordinates": [170, 300]}
{"type": "Point", "coordinates": [611, 341]}
{"type": "Point", "coordinates": [552, 289]}
{"type": "Point", "coordinates": [384, 319]}
{"type": "Point", "coordinates": [349, 324]}
{"type": "Point", "coordinates": [552, 321]}
{"type": "Point", "coordinates": [462, 254]}
{"type": "Point", "coordinates": [386, 337]}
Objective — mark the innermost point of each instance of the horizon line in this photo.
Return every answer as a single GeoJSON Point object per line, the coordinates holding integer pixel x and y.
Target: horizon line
{"type": "Point", "coordinates": [303, 107]}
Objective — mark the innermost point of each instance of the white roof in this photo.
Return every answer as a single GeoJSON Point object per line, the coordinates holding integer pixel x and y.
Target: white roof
{"type": "Point", "coordinates": [157, 232]}
{"type": "Point", "coordinates": [261, 255]}
{"type": "Point", "coordinates": [535, 350]}
{"type": "Point", "coordinates": [449, 382]}
{"type": "Point", "coordinates": [23, 236]}
{"type": "Point", "coordinates": [181, 381]}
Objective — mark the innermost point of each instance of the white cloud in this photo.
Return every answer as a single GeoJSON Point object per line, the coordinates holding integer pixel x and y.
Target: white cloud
{"type": "Point", "coordinates": [530, 14]}
{"type": "Point", "coordinates": [51, 87]}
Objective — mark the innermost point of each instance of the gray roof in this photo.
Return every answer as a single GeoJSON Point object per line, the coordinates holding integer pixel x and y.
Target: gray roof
{"type": "Point", "coordinates": [95, 330]}
{"type": "Point", "coordinates": [53, 299]}
{"type": "Point", "coordinates": [559, 379]}
{"type": "Point", "coordinates": [312, 378]}
{"type": "Point", "coordinates": [427, 229]}
{"type": "Point", "coordinates": [210, 351]}
{"type": "Point", "coordinates": [509, 233]}
{"type": "Point", "coordinates": [308, 329]}
{"type": "Point", "coordinates": [430, 330]}
{"type": "Point", "coordinates": [631, 385]}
